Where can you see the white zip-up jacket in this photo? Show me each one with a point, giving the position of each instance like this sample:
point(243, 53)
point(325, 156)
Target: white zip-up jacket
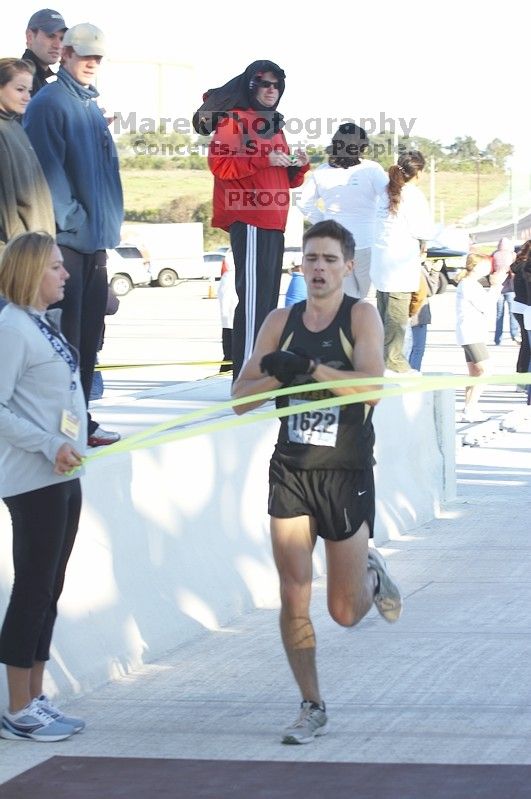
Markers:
point(395, 257)
point(35, 389)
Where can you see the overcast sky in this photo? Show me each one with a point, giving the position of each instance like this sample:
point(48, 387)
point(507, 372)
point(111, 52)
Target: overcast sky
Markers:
point(447, 69)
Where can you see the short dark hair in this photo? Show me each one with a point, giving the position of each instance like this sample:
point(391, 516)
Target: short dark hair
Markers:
point(332, 230)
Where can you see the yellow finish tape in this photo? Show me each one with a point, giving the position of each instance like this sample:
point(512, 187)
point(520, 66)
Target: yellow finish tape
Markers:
point(401, 384)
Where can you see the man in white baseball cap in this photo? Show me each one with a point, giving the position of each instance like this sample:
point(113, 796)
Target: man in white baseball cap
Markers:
point(44, 36)
point(86, 39)
point(74, 145)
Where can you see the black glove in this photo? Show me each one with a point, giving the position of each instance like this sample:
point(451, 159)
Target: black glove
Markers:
point(285, 365)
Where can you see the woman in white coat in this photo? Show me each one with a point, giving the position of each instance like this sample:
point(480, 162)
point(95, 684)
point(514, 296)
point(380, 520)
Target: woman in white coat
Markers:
point(403, 223)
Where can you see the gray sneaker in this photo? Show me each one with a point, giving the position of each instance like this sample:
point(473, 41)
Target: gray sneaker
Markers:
point(312, 721)
point(33, 723)
point(387, 598)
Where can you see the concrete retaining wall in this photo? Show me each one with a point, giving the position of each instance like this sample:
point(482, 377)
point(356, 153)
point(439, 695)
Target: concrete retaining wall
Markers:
point(174, 540)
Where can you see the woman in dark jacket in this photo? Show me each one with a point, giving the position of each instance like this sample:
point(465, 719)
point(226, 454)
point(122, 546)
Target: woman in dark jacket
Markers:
point(25, 201)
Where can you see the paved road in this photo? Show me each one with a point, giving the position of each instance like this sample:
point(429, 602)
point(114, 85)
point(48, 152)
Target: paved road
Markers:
point(449, 684)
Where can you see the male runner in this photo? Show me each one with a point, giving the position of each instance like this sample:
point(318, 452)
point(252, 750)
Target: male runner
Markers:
point(321, 477)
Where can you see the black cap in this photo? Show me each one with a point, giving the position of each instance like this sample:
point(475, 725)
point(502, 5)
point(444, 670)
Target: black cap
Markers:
point(47, 20)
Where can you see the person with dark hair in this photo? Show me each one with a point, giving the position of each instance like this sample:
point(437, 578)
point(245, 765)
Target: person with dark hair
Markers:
point(321, 472)
point(79, 159)
point(403, 225)
point(521, 270)
point(347, 189)
point(25, 201)
point(42, 439)
point(44, 37)
point(253, 173)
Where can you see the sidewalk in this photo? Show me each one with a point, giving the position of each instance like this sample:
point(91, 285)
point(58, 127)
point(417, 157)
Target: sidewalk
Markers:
point(450, 683)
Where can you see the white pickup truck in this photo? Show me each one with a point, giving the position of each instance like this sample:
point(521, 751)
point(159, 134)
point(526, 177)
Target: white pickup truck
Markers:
point(175, 250)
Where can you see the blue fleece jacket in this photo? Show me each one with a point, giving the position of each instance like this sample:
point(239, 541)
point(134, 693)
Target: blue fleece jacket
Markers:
point(79, 159)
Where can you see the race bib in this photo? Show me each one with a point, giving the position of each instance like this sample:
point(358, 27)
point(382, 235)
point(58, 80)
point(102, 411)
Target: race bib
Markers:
point(318, 427)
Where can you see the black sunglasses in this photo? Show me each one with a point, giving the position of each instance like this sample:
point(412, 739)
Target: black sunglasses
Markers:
point(266, 84)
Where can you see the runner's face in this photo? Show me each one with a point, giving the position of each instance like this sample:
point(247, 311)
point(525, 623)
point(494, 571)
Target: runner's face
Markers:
point(324, 267)
point(54, 277)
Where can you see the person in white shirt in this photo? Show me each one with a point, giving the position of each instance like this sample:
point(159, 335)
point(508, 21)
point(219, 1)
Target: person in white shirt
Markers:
point(347, 190)
point(473, 305)
point(403, 223)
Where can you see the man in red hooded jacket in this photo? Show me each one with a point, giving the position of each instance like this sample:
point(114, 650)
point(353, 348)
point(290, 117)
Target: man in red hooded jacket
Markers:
point(253, 173)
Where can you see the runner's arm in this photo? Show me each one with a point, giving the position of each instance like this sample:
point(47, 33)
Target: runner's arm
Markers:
point(251, 379)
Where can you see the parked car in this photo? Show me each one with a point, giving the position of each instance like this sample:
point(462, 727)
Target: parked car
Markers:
point(166, 272)
point(126, 268)
point(447, 252)
point(452, 263)
point(214, 260)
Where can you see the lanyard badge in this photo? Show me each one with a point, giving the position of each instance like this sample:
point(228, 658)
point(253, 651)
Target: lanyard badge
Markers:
point(70, 424)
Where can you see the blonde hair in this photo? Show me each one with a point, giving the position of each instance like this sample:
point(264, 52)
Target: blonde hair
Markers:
point(22, 264)
point(473, 259)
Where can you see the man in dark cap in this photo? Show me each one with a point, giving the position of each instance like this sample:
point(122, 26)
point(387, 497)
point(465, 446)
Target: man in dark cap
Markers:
point(253, 173)
point(44, 37)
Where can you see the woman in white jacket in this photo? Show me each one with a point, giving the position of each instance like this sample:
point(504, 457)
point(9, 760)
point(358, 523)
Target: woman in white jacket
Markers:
point(403, 223)
point(42, 439)
point(473, 308)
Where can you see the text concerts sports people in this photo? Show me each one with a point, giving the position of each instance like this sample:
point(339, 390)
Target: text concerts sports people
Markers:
point(253, 172)
point(42, 438)
point(321, 472)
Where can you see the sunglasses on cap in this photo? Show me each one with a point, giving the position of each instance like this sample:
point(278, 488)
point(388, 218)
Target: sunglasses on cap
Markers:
point(266, 84)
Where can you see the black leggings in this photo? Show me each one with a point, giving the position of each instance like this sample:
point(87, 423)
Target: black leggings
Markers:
point(45, 524)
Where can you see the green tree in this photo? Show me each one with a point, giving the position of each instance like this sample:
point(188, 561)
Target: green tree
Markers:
point(464, 149)
point(499, 151)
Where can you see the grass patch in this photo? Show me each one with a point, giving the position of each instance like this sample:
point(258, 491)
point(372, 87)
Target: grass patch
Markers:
point(152, 189)
point(458, 192)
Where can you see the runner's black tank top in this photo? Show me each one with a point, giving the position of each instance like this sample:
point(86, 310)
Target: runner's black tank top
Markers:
point(338, 437)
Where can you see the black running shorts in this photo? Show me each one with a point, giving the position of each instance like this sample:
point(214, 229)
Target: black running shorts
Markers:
point(338, 499)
